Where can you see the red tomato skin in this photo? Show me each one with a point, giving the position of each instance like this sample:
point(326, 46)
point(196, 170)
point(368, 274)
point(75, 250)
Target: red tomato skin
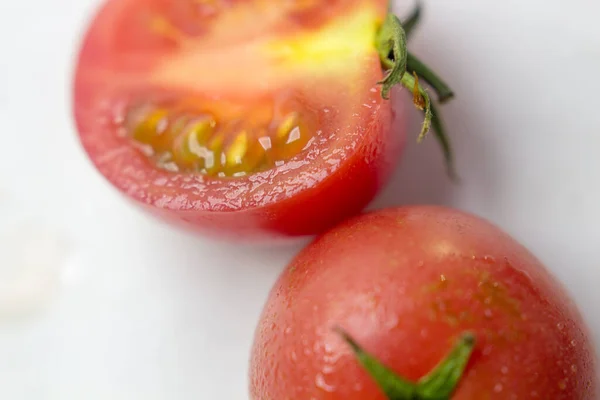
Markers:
point(405, 283)
point(304, 197)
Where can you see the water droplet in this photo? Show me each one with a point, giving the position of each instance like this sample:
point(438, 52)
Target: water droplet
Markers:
point(562, 385)
point(488, 313)
point(487, 350)
point(328, 369)
point(504, 370)
point(560, 326)
point(293, 356)
point(574, 368)
point(322, 384)
point(498, 388)
point(573, 343)
point(392, 322)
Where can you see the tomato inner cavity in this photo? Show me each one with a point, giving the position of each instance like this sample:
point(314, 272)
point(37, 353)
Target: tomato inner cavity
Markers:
point(218, 139)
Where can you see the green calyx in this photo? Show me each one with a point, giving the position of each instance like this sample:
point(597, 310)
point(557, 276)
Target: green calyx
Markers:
point(439, 384)
point(406, 69)
point(391, 45)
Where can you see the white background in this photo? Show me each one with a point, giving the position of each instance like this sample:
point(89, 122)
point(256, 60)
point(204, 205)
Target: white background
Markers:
point(135, 310)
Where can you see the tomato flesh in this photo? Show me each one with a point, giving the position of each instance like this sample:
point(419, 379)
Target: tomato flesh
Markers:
point(405, 283)
point(240, 117)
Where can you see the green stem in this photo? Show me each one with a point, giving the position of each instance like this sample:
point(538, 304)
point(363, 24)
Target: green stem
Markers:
point(413, 64)
point(394, 387)
point(413, 19)
point(391, 45)
point(440, 134)
point(395, 58)
point(439, 384)
point(391, 40)
point(421, 100)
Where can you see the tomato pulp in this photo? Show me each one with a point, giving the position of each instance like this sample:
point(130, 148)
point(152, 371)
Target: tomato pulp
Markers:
point(251, 118)
point(406, 284)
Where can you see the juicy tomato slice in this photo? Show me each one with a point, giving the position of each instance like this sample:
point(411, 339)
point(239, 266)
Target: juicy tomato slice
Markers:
point(242, 117)
point(405, 284)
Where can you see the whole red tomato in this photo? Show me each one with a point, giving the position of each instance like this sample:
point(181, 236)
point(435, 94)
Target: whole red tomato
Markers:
point(244, 117)
point(377, 303)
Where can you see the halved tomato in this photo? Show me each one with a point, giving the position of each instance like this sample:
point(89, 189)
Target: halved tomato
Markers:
point(254, 117)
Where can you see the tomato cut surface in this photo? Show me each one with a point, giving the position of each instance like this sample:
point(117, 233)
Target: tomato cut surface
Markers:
point(406, 284)
point(245, 117)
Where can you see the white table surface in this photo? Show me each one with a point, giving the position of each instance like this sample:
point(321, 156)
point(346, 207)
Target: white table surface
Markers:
point(120, 307)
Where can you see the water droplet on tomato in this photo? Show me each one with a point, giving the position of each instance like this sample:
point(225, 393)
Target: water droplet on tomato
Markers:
point(562, 385)
point(392, 322)
point(487, 350)
point(322, 384)
point(328, 369)
point(489, 259)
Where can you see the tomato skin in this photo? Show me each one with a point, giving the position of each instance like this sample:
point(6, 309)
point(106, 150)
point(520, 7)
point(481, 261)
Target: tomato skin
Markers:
point(405, 283)
point(333, 180)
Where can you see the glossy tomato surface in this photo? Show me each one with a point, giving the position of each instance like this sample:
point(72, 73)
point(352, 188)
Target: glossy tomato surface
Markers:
point(405, 283)
point(245, 118)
